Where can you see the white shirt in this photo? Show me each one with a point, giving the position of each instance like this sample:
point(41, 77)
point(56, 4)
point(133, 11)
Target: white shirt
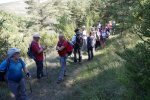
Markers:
point(84, 34)
point(104, 34)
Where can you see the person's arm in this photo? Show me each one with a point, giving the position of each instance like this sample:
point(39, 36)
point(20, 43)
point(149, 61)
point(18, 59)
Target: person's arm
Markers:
point(57, 47)
point(42, 49)
point(73, 40)
point(26, 71)
point(3, 65)
point(60, 48)
point(63, 46)
point(36, 49)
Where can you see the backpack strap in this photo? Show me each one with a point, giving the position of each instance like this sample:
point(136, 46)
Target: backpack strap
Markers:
point(7, 64)
point(21, 61)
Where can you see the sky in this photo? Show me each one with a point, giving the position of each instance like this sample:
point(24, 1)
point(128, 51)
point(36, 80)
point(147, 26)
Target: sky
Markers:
point(6, 1)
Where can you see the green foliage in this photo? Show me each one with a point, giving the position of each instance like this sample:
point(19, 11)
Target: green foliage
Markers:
point(143, 16)
point(138, 70)
point(46, 38)
point(15, 32)
point(12, 32)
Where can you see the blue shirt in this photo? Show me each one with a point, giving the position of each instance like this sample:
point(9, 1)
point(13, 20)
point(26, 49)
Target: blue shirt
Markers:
point(14, 72)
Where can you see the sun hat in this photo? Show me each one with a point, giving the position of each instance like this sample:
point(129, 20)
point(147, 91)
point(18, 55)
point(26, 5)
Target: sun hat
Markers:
point(12, 51)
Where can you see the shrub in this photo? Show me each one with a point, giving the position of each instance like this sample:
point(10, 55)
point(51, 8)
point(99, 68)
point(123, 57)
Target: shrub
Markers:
point(138, 70)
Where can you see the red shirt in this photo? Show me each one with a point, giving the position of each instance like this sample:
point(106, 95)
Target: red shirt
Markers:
point(35, 47)
point(64, 51)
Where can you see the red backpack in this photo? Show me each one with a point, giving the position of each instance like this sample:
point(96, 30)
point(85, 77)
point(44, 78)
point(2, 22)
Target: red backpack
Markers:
point(69, 48)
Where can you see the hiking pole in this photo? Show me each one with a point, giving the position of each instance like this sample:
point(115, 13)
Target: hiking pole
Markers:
point(46, 65)
point(30, 86)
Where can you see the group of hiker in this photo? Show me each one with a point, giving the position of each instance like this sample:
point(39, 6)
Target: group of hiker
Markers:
point(11, 69)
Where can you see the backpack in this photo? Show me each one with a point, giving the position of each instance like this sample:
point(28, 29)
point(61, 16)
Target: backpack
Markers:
point(3, 73)
point(30, 53)
point(90, 42)
point(69, 48)
point(107, 32)
point(79, 40)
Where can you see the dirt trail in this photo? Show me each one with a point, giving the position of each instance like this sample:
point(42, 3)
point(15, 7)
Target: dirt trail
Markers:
point(47, 89)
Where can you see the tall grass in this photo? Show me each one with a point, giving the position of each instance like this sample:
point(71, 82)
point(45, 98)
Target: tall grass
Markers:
point(104, 78)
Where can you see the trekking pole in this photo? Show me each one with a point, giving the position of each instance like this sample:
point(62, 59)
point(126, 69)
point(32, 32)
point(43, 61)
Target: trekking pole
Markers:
point(46, 65)
point(30, 86)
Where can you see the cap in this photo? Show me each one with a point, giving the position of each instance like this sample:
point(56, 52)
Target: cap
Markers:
point(36, 35)
point(12, 51)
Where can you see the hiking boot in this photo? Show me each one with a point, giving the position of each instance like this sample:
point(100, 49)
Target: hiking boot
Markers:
point(65, 75)
point(44, 75)
point(59, 81)
point(75, 61)
point(39, 77)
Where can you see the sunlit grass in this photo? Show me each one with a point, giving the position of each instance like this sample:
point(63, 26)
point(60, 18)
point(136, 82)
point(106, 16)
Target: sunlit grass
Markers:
point(102, 77)
point(98, 79)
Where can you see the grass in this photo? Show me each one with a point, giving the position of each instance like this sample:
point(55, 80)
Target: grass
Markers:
point(103, 78)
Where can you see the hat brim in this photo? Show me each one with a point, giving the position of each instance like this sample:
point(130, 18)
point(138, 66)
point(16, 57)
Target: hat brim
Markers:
point(36, 37)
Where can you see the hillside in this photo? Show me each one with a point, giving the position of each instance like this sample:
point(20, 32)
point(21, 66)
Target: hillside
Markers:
point(17, 7)
point(100, 79)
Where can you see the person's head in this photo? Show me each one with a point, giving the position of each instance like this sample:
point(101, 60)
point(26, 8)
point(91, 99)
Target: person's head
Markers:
point(61, 37)
point(83, 28)
point(36, 37)
point(76, 30)
point(90, 34)
point(13, 53)
point(106, 26)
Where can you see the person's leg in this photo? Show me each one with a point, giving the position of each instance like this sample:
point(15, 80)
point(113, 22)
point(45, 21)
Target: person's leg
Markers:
point(23, 90)
point(85, 44)
point(13, 86)
point(38, 69)
point(80, 55)
point(92, 54)
point(104, 42)
point(41, 68)
point(63, 68)
point(88, 54)
point(75, 55)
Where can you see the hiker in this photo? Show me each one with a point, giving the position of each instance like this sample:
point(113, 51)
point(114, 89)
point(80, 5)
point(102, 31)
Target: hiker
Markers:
point(107, 31)
point(62, 51)
point(13, 66)
point(113, 27)
point(99, 25)
point(84, 36)
point(77, 40)
point(103, 37)
point(109, 25)
point(97, 35)
point(90, 45)
point(38, 51)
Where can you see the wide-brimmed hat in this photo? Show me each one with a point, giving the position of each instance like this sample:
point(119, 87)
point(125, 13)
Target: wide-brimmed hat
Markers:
point(12, 51)
point(36, 35)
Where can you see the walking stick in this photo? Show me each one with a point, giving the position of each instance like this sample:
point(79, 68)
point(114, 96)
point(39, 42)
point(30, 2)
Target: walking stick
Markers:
point(46, 65)
point(30, 86)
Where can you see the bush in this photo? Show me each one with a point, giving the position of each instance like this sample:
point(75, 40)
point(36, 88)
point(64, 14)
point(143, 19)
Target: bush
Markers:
point(138, 68)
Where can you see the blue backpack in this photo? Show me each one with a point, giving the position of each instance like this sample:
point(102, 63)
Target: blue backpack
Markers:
point(3, 72)
point(30, 53)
